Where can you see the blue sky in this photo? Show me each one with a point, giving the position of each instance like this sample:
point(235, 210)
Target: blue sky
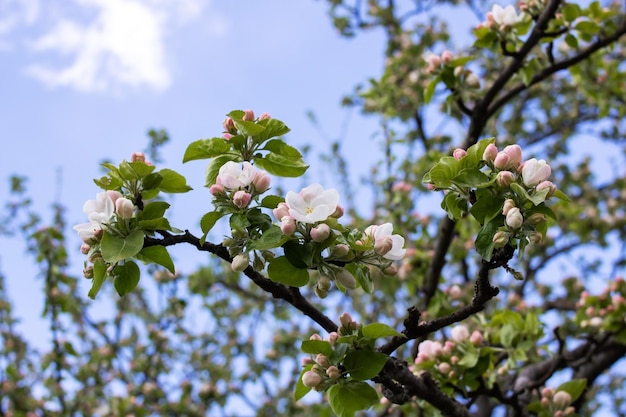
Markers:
point(83, 80)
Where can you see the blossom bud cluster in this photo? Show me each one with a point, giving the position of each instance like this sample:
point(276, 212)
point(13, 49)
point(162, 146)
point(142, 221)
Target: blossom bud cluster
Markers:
point(436, 64)
point(237, 184)
point(446, 356)
point(605, 311)
point(557, 403)
point(230, 129)
point(322, 372)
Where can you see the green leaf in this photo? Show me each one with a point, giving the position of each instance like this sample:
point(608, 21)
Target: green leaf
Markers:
point(575, 387)
point(300, 255)
point(281, 166)
point(281, 270)
point(239, 221)
point(208, 220)
point(315, 347)
point(271, 201)
point(206, 148)
point(151, 181)
point(471, 177)
point(273, 128)
point(279, 147)
point(160, 223)
point(153, 210)
point(248, 128)
point(454, 205)
point(214, 168)
point(99, 276)
point(484, 240)
point(570, 12)
point(364, 364)
point(571, 41)
point(135, 170)
point(470, 357)
point(561, 196)
point(348, 398)
point(173, 182)
point(363, 276)
point(271, 238)
point(158, 255)
point(587, 27)
point(126, 277)
point(115, 249)
point(376, 330)
point(430, 89)
point(486, 209)
point(301, 389)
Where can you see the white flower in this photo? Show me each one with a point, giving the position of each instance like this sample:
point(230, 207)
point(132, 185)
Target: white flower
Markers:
point(99, 212)
point(460, 333)
point(535, 172)
point(313, 204)
point(505, 16)
point(384, 231)
point(236, 176)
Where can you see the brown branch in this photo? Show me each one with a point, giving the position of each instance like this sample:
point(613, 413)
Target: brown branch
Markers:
point(290, 294)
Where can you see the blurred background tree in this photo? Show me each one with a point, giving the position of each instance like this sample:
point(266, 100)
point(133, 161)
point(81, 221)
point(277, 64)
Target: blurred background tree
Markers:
point(214, 343)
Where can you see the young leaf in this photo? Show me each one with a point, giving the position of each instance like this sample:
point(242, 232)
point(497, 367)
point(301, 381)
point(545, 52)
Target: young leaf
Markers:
point(208, 220)
point(281, 270)
point(173, 182)
point(99, 276)
point(158, 255)
point(315, 347)
point(126, 277)
point(115, 249)
point(206, 148)
point(575, 387)
point(364, 364)
point(153, 210)
point(346, 399)
point(281, 166)
point(271, 238)
point(271, 201)
point(376, 330)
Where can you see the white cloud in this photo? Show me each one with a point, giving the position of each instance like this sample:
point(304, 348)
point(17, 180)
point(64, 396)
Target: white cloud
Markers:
point(123, 46)
point(15, 13)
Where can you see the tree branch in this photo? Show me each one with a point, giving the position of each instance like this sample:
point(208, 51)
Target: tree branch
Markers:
point(290, 294)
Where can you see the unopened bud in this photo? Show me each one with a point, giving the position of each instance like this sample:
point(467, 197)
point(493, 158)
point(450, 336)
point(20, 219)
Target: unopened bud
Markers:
point(229, 126)
point(491, 151)
point(346, 279)
point(447, 57)
point(84, 248)
point(333, 372)
point(261, 182)
point(88, 272)
point(323, 282)
point(390, 270)
point(248, 115)
point(124, 208)
point(508, 205)
point(240, 262)
point(281, 210)
point(320, 232)
point(472, 81)
point(338, 213)
point(288, 225)
point(536, 219)
point(138, 157)
point(514, 218)
point(459, 153)
point(345, 319)
point(241, 198)
point(562, 399)
point(383, 245)
point(504, 179)
point(476, 338)
point(311, 379)
point(264, 116)
point(501, 238)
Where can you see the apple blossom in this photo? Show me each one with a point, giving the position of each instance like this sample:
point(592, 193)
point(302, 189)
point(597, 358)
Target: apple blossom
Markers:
point(446, 57)
point(313, 204)
point(138, 157)
point(216, 189)
point(460, 333)
point(261, 182)
point(281, 210)
point(546, 184)
point(505, 16)
point(379, 233)
point(429, 349)
point(288, 225)
point(472, 80)
point(562, 399)
point(236, 176)
point(459, 153)
point(311, 379)
point(229, 125)
point(508, 205)
point(320, 232)
point(535, 172)
point(345, 319)
point(99, 212)
point(536, 218)
point(264, 116)
point(333, 372)
point(124, 208)
point(491, 151)
point(514, 218)
point(240, 262)
point(504, 179)
point(241, 198)
point(248, 115)
point(476, 338)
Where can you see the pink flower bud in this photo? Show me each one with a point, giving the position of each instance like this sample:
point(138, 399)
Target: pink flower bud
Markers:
point(288, 225)
point(434, 61)
point(536, 219)
point(476, 338)
point(282, 210)
point(508, 205)
point(216, 189)
point(545, 402)
point(345, 319)
point(114, 195)
point(504, 179)
point(338, 213)
point(535, 172)
point(514, 218)
point(240, 262)
point(459, 153)
point(502, 161)
point(227, 136)
point(315, 336)
point(491, 151)
point(311, 379)
point(333, 372)
point(84, 248)
point(124, 208)
point(229, 126)
point(546, 184)
point(460, 333)
point(346, 279)
point(264, 116)
point(261, 182)
point(547, 392)
point(241, 198)
point(332, 337)
point(535, 238)
point(322, 360)
point(444, 368)
point(501, 238)
point(447, 57)
point(561, 399)
point(138, 157)
point(320, 232)
point(472, 80)
point(248, 115)
point(515, 155)
point(340, 250)
point(88, 272)
point(383, 245)
point(391, 270)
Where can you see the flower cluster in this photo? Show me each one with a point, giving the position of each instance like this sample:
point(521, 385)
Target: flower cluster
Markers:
point(110, 210)
point(237, 184)
point(445, 65)
point(557, 403)
point(605, 311)
point(502, 18)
